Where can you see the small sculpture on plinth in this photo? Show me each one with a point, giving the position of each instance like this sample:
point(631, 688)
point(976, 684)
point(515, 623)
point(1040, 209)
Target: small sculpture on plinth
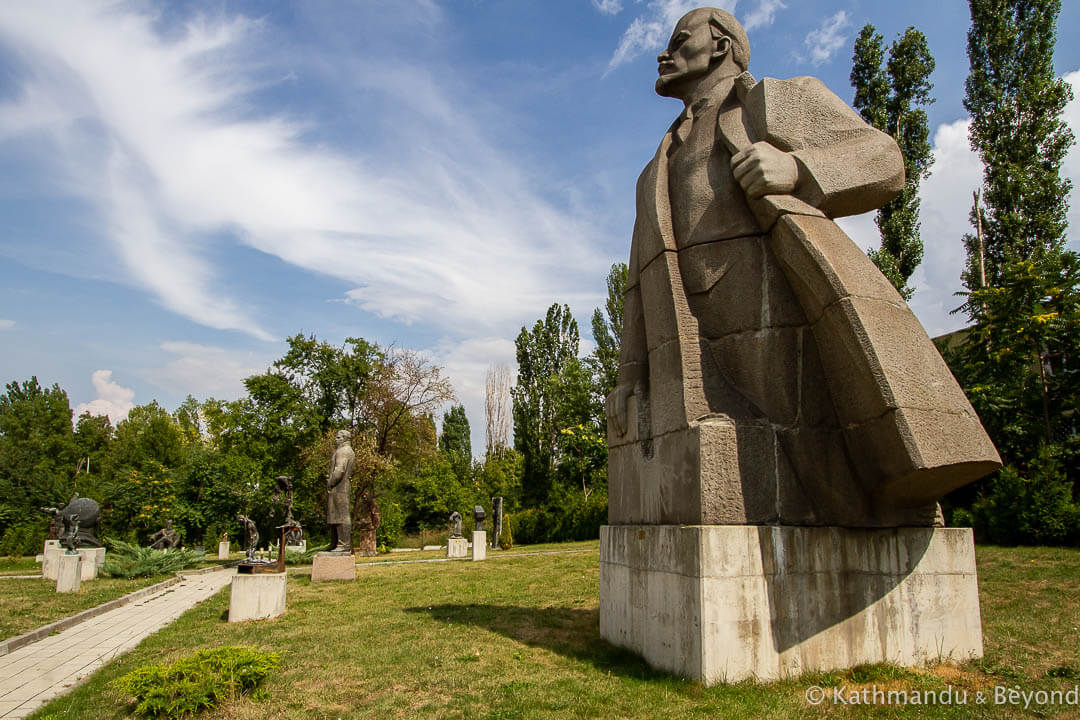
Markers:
point(70, 537)
point(166, 538)
point(455, 524)
point(478, 517)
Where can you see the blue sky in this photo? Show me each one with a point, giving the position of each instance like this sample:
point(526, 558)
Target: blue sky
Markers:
point(187, 184)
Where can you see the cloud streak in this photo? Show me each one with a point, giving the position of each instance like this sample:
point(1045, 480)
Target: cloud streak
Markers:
point(823, 41)
point(162, 134)
point(112, 398)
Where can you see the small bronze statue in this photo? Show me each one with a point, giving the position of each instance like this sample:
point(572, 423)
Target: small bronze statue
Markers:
point(165, 538)
point(283, 493)
point(56, 521)
point(70, 537)
point(251, 533)
point(455, 524)
point(88, 512)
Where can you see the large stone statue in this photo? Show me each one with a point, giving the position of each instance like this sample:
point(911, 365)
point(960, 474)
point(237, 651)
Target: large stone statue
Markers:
point(769, 375)
point(338, 496)
point(61, 524)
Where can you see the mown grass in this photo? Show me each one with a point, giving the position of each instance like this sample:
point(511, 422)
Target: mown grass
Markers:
point(27, 604)
point(518, 638)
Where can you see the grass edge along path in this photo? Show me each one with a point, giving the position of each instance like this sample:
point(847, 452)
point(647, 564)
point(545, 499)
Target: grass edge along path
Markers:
point(497, 641)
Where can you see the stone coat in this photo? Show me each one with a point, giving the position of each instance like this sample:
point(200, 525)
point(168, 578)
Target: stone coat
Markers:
point(771, 363)
point(338, 495)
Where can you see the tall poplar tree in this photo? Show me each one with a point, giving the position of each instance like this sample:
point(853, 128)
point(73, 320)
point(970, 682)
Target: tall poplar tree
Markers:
point(890, 96)
point(542, 355)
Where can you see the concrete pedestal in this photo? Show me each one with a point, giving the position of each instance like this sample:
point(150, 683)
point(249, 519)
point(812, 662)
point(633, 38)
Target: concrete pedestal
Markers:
point(51, 559)
point(223, 550)
point(301, 548)
point(457, 548)
point(333, 566)
point(479, 545)
point(69, 572)
point(92, 560)
point(722, 603)
point(256, 597)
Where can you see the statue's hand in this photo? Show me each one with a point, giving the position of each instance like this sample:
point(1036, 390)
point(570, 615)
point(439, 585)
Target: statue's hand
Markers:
point(616, 408)
point(761, 169)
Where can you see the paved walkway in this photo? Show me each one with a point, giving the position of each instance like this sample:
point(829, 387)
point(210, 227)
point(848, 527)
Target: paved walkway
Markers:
point(41, 671)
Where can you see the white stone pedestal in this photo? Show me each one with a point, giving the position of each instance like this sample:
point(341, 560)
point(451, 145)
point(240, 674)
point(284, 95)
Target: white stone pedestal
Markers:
point(256, 597)
point(223, 550)
point(479, 545)
point(333, 566)
point(69, 572)
point(51, 559)
point(92, 560)
point(457, 548)
point(301, 548)
point(722, 603)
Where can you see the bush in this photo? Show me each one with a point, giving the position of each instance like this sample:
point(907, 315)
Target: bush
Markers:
point(569, 518)
point(129, 561)
point(196, 683)
point(506, 537)
point(1034, 510)
point(22, 539)
point(392, 528)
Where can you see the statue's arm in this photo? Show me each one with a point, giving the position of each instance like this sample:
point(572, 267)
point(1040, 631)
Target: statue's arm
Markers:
point(845, 166)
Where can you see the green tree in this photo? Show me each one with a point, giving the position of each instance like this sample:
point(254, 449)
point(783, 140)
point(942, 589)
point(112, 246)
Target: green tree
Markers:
point(607, 330)
point(38, 454)
point(890, 97)
point(455, 441)
point(1016, 103)
point(542, 353)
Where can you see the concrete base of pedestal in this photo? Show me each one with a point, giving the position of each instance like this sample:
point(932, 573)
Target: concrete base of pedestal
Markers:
point(479, 545)
point(457, 548)
point(333, 566)
point(69, 572)
point(722, 603)
point(92, 560)
point(50, 559)
point(223, 550)
point(256, 597)
point(301, 548)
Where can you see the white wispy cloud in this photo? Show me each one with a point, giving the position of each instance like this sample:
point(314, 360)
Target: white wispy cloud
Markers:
point(608, 7)
point(823, 41)
point(763, 14)
point(112, 398)
point(649, 31)
point(163, 136)
point(946, 199)
point(6, 324)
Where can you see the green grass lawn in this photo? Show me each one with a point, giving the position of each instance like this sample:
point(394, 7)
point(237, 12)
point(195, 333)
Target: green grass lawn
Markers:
point(518, 637)
point(26, 605)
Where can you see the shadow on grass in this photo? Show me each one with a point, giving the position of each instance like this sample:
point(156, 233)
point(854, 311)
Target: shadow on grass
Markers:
point(569, 632)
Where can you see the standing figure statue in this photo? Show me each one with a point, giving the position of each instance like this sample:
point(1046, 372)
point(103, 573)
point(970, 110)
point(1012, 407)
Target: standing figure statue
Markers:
point(70, 537)
point(769, 373)
point(251, 534)
point(283, 493)
point(455, 524)
point(56, 521)
point(338, 495)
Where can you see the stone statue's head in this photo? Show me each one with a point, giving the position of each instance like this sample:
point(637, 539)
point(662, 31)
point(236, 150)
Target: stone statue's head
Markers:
point(342, 437)
point(703, 40)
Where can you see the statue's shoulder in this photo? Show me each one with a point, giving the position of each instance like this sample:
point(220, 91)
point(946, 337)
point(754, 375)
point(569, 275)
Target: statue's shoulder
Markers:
point(796, 112)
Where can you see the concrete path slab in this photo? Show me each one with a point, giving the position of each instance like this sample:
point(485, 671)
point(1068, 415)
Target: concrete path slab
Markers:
point(35, 674)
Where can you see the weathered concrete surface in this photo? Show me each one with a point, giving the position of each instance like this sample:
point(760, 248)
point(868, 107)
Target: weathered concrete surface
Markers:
point(68, 573)
point(257, 597)
point(725, 603)
point(50, 559)
point(457, 547)
point(92, 560)
point(333, 566)
point(223, 550)
point(479, 545)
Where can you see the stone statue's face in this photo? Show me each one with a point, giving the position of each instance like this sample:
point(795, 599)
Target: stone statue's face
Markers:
point(342, 438)
point(688, 57)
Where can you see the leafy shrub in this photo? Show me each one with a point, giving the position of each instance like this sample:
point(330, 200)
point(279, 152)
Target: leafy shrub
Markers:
point(506, 537)
point(22, 539)
point(129, 561)
point(530, 526)
point(293, 557)
point(392, 528)
point(197, 682)
point(1036, 508)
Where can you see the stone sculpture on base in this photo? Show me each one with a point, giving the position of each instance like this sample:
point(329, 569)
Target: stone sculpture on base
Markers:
point(165, 538)
point(338, 496)
point(775, 393)
point(456, 545)
point(251, 537)
point(61, 521)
